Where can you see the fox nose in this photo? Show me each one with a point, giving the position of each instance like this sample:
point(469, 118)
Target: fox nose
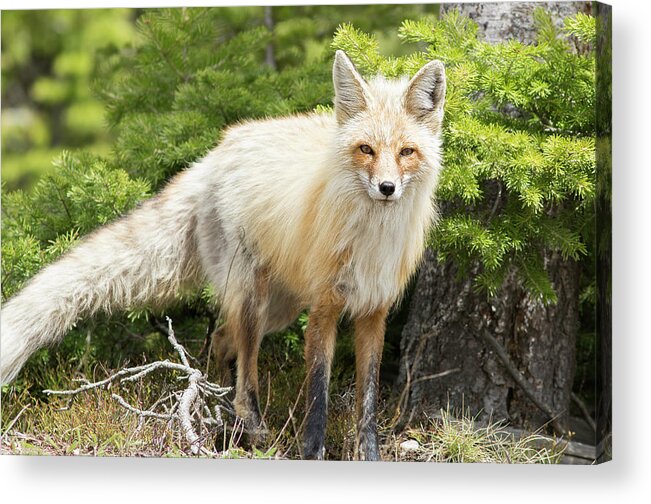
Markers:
point(387, 188)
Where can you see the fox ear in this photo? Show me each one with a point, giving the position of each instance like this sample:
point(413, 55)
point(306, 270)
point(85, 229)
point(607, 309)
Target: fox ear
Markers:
point(425, 95)
point(351, 89)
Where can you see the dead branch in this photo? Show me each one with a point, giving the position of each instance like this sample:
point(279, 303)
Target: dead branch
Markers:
point(189, 406)
point(522, 382)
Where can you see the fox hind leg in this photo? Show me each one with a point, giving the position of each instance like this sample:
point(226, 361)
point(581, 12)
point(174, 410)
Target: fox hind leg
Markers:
point(246, 324)
point(260, 307)
point(225, 354)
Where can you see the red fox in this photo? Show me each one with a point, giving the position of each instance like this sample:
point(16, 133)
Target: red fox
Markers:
point(321, 211)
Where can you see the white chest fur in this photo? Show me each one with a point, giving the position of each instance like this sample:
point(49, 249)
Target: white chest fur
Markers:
point(381, 245)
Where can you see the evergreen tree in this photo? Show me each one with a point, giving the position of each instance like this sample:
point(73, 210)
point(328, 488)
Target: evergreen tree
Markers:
point(167, 97)
point(519, 116)
point(497, 302)
point(519, 133)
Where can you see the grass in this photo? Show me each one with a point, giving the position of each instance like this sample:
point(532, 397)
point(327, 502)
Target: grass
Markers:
point(448, 438)
point(96, 425)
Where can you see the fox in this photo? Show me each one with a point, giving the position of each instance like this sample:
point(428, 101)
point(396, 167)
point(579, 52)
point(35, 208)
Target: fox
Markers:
point(324, 211)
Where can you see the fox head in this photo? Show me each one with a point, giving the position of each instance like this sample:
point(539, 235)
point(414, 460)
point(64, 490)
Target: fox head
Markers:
point(388, 130)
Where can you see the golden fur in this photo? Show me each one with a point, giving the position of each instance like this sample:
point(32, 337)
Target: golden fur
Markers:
point(284, 214)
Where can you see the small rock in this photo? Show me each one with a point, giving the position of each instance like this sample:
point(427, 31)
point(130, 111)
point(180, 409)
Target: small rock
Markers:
point(409, 445)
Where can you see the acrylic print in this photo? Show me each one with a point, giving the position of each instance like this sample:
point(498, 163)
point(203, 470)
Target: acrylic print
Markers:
point(375, 233)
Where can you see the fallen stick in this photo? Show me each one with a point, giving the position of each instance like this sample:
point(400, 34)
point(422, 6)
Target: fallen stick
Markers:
point(190, 408)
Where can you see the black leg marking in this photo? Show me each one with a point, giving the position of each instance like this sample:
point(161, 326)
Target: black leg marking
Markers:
point(254, 420)
point(230, 372)
point(317, 404)
point(367, 421)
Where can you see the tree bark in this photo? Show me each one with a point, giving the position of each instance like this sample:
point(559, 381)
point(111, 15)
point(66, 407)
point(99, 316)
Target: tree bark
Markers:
point(450, 326)
point(500, 21)
point(508, 357)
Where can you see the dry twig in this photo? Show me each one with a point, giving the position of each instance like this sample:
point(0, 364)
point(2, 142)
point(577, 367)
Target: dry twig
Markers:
point(189, 407)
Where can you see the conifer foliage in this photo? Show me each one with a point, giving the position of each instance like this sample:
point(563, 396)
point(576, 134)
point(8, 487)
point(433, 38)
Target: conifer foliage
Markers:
point(519, 124)
point(519, 132)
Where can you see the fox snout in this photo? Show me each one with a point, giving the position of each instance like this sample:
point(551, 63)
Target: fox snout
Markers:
point(383, 187)
point(387, 188)
point(380, 174)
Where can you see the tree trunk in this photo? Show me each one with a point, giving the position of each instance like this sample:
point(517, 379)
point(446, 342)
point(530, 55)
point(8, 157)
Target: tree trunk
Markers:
point(500, 21)
point(508, 357)
point(451, 328)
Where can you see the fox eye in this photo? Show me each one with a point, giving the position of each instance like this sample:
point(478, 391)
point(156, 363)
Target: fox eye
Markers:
point(407, 151)
point(366, 149)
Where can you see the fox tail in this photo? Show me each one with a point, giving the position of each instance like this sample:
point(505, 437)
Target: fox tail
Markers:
point(143, 258)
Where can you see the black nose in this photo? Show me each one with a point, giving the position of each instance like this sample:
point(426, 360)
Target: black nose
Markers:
point(387, 188)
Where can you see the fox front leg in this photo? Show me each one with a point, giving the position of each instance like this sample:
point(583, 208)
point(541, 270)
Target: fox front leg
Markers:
point(369, 340)
point(320, 339)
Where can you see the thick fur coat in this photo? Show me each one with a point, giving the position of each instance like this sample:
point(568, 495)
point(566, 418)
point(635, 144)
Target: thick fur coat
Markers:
point(327, 212)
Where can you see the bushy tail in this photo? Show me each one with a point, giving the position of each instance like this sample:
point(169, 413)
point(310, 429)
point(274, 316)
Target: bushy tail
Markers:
point(144, 258)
